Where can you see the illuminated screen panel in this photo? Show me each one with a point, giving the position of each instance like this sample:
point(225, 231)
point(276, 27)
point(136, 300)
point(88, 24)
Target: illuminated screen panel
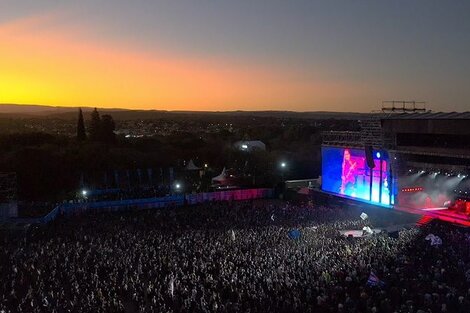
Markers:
point(345, 172)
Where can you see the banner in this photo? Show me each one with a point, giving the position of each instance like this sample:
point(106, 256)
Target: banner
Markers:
point(374, 281)
point(155, 203)
point(294, 234)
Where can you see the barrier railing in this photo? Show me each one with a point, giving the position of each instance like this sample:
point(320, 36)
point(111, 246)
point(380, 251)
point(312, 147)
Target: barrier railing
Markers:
point(151, 203)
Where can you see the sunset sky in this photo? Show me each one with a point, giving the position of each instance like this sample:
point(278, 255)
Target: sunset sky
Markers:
point(301, 55)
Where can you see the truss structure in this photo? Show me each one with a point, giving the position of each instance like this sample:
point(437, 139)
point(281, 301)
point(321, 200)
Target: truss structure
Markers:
point(371, 134)
point(342, 138)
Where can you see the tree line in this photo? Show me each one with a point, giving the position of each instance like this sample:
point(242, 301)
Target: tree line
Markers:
point(100, 128)
point(49, 166)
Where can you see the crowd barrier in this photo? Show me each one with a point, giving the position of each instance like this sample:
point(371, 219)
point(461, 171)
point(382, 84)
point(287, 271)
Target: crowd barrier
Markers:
point(243, 194)
point(152, 203)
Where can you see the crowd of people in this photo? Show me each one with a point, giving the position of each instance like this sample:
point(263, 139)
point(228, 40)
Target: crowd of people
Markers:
point(233, 257)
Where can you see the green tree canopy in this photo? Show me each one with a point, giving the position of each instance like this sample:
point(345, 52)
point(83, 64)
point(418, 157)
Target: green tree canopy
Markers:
point(95, 126)
point(81, 134)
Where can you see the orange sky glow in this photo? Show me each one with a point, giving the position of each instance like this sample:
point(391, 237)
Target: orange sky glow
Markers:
point(68, 66)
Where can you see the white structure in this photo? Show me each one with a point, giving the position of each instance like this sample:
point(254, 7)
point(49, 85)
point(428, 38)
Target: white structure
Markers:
point(221, 178)
point(250, 145)
point(191, 166)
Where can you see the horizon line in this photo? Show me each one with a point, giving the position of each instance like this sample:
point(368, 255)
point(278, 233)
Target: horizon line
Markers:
point(176, 111)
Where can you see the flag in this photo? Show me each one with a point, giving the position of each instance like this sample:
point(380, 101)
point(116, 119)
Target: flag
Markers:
point(374, 280)
point(172, 286)
point(429, 237)
point(436, 241)
point(367, 230)
point(294, 234)
point(364, 216)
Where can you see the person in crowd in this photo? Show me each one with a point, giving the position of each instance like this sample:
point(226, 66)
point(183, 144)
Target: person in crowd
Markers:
point(232, 257)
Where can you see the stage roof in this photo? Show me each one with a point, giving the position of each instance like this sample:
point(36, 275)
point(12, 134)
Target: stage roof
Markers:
point(428, 116)
point(452, 123)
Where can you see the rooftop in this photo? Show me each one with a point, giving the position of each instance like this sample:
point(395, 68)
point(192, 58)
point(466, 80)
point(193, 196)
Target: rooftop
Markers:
point(428, 115)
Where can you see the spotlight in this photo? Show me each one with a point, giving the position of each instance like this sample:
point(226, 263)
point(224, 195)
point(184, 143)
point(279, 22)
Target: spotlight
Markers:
point(378, 155)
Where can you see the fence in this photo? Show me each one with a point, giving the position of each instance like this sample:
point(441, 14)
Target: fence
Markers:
point(152, 203)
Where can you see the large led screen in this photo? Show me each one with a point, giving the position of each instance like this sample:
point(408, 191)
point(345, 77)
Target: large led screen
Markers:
point(345, 172)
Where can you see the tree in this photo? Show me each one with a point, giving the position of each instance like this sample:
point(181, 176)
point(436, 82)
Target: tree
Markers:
point(81, 134)
point(95, 126)
point(107, 129)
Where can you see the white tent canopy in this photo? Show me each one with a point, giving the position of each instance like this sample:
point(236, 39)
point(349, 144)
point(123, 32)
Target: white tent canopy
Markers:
point(221, 177)
point(191, 166)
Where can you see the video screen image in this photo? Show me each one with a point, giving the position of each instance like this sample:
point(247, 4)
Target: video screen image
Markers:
point(345, 172)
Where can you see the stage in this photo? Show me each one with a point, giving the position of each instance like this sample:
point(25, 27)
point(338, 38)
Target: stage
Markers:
point(427, 214)
point(440, 213)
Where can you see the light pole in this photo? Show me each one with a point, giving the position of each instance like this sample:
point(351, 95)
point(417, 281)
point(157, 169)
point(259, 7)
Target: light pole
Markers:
point(84, 194)
point(283, 166)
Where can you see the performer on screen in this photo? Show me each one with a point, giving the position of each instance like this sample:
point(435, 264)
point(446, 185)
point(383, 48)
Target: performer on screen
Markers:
point(348, 175)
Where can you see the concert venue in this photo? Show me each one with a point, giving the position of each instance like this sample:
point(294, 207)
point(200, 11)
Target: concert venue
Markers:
point(410, 161)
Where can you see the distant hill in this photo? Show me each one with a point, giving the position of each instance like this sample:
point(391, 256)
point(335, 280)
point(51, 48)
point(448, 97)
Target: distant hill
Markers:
point(28, 111)
point(36, 109)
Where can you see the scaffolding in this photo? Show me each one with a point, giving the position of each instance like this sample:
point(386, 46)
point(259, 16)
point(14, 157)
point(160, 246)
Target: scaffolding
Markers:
point(401, 106)
point(342, 138)
point(371, 134)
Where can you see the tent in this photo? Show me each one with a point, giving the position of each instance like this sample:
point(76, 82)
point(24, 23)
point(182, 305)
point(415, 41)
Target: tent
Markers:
point(191, 166)
point(221, 178)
